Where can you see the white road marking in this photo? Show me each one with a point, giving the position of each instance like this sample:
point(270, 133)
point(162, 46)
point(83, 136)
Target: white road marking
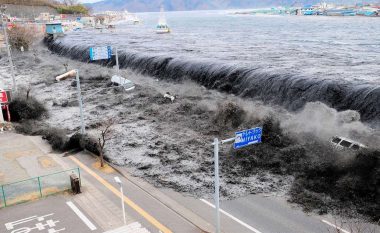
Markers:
point(49, 225)
point(232, 217)
point(11, 225)
point(131, 228)
point(334, 226)
point(81, 216)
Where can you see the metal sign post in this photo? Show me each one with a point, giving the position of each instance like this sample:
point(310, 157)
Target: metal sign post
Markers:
point(117, 61)
point(82, 128)
point(242, 139)
point(1, 115)
point(216, 174)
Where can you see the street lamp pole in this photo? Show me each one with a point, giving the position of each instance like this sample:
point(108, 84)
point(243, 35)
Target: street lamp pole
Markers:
point(117, 179)
point(82, 127)
point(3, 9)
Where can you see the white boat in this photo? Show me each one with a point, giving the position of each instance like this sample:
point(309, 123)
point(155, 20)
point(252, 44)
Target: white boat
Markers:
point(136, 20)
point(99, 25)
point(162, 26)
point(129, 18)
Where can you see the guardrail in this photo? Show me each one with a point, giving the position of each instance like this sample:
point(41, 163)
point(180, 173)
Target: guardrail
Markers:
point(35, 188)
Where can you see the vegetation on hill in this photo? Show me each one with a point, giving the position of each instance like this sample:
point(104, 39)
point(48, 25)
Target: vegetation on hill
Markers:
point(69, 7)
point(30, 2)
point(74, 9)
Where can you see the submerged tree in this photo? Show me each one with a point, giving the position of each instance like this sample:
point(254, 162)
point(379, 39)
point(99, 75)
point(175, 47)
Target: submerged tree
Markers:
point(104, 136)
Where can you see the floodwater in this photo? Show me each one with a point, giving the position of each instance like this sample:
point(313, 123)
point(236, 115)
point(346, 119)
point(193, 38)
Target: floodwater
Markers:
point(287, 60)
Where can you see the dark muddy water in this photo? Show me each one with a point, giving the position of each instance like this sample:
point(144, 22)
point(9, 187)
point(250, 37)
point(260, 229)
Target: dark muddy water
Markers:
point(286, 60)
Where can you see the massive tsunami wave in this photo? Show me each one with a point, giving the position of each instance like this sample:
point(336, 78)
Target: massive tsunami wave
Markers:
point(287, 89)
point(287, 61)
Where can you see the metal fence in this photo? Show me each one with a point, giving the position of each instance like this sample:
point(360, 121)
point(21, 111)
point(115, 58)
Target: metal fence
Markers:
point(35, 188)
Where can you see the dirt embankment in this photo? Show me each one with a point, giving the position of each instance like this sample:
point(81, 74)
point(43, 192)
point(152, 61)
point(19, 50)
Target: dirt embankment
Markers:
point(169, 143)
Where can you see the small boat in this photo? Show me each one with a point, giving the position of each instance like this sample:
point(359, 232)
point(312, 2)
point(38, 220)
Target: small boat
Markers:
point(130, 18)
point(99, 25)
point(162, 26)
point(340, 12)
point(111, 26)
point(135, 19)
point(369, 12)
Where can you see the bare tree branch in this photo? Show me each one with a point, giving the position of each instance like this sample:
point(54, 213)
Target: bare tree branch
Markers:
point(105, 135)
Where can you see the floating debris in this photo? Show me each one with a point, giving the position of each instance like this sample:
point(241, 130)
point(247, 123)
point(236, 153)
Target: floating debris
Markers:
point(167, 95)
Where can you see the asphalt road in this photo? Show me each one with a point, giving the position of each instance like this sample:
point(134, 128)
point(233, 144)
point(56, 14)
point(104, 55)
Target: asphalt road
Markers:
point(52, 215)
point(260, 214)
point(273, 215)
point(150, 212)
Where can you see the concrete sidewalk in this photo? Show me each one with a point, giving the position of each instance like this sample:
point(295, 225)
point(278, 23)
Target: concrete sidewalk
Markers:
point(22, 157)
point(142, 206)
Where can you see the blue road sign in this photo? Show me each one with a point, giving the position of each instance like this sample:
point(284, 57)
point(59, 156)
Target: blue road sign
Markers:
point(247, 137)
point(100, 53)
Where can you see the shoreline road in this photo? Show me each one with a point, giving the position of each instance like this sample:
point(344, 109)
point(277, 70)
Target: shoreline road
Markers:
point(268, 214)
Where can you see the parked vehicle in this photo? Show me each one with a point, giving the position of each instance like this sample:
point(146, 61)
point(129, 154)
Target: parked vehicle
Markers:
point(342, 143)
point(127, 84)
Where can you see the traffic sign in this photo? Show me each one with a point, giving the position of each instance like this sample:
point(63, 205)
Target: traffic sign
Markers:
point(100, 53)
point(3, 97)
point(248, 137)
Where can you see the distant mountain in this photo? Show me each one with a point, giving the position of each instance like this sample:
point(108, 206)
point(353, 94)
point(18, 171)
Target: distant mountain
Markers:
point(180, 5)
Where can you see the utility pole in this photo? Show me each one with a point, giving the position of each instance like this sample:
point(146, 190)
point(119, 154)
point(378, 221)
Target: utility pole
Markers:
point(82, 128)
point(117, 62)
point(3, 9)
